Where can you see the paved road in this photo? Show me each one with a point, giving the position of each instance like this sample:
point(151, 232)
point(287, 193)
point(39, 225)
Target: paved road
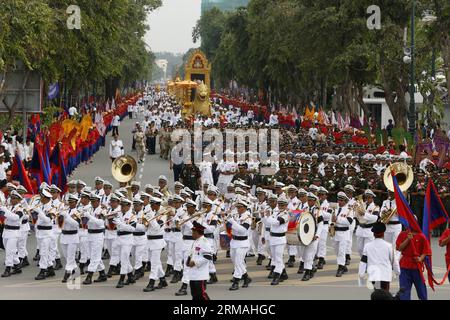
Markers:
point(324, 286)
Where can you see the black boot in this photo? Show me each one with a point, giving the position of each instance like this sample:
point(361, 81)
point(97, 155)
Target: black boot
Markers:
point(214, 257)
point(36, 256)
point(58, 265)
point(228, 254)
point(148, 266)
point(348, 259)
point(269, 267)
point(247, 280)
point(260, 259)
point(116, 270)
point(17, 269)
point(7, 272)
point(307, 275)
point(301, 268)
point(110, 271)
point(130, 279)
point(270, 276)
point(88, 279)
point(66, 277)
point(25, 262)
point(82, 265)
point(176, 277)
point(50, 272)
point(150, 287)
point(106, 255)
point(212, 278)
point(344, 269)
point(291, 261)
point(182, 291)
point(101, 277)
point(169, 270)
point(121, 282)
point(41, 275)
point(235, 285)
point(340, 271)
point(162, 283)
point(321, 263)
point(283, 276)
point(276, 279)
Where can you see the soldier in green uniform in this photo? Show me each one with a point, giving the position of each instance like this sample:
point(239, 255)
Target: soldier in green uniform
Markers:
point(190, 176)
point(243, 174)
point(331, 184)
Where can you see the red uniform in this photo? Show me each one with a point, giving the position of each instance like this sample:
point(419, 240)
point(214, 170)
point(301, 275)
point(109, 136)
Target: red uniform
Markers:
point(421, 246)
point(447, 252)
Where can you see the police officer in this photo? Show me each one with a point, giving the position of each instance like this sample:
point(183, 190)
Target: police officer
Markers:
point(342, 219)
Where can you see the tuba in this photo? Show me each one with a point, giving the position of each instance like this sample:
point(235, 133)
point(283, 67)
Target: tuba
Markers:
point(124, 168)
point(405, 178)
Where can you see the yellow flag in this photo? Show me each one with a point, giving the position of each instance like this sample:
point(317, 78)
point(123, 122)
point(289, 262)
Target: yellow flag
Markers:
point(85, 125)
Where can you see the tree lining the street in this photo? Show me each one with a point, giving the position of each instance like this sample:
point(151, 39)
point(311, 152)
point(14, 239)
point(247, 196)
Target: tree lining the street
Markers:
point(106, 54)
point(322, 52)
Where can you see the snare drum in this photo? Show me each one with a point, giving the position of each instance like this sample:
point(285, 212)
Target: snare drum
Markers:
point(225, 241)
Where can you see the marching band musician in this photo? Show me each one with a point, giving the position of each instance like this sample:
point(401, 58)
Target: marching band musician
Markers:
point(98, 189)
point(176, 242)
point(107, 188)
point(210, 222)
point(239, 243)
point(22, 251)
point(111, 241)
point(71, 189)
point(197, 261)
point(186, 230)
point(342, 219)
point(350, 191)
point(163, 188)
point(303, 205)
point(69, 235)
point(265, 239)
point(363, 233)
point(35, 202)
point(213, 194)
point(202, 194)
point(83, 207)
point(139, 250)
point(278, 223)
point(95, 238)
point(326, 214)
point(155, 244)
point(260, 207)
point(394, 226)
point(11, 233)
point(311, 249)
point(126, 223)
point(58, 205)
point(44, 235)
point(146, 208)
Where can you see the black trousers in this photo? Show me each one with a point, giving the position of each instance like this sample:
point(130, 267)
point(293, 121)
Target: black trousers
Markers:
point(115, 130)
point(198, 290)
point(151, 145)
point(130, 114)
point(177, 168)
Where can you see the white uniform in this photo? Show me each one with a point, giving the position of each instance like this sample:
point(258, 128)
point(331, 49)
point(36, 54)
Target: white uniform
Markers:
point(125, 227)
point(155, 244)
point(58, 206)
point(239, 243)
point(69, 238)
point(11, 234)
point(378, 261)
point(394, 227)
point(186, 230)
point(364, 232)
point(139, 251)
point(83, 233)
point(116, 149)
point(326, 215)
point(111, 241)
point(23, 233)
point(296, 204)
point(209, 221)
point(44, 236)
point(263, 248)
point(352, 226)
point(311, 249)
point(278, 223)
point(176, 241)
point(96, 235)
point(343, 235)
point(200, 248)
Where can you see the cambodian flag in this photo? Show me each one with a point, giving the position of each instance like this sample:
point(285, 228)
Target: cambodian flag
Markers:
point(18, 173)
point(405, 214)
point(37, 166)
point(59, 172)
point(434, 213)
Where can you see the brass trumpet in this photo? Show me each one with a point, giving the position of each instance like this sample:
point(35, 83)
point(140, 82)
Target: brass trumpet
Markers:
point(195, 215)
point(163, 213)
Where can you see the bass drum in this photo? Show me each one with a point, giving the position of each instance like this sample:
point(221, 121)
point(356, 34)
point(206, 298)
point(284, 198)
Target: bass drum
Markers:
point(306, 228)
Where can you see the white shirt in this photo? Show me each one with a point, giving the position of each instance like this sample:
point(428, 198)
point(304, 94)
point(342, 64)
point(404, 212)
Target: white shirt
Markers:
point(273, 119)
point(200, 254)
point(116, 121)
point(3, 167)
point(72, 111)
point(116, 149)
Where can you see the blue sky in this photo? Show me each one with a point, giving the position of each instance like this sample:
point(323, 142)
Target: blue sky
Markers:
point(171, 26)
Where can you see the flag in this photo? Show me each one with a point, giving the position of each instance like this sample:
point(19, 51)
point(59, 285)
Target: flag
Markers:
point(434, 213)
point(405, 214)
point(18, 173)
point(37, 166)
point(46, 160)
point(59, 172)
point(53, 91)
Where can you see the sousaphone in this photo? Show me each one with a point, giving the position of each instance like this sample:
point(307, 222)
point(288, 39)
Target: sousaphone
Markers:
point(124, 168)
